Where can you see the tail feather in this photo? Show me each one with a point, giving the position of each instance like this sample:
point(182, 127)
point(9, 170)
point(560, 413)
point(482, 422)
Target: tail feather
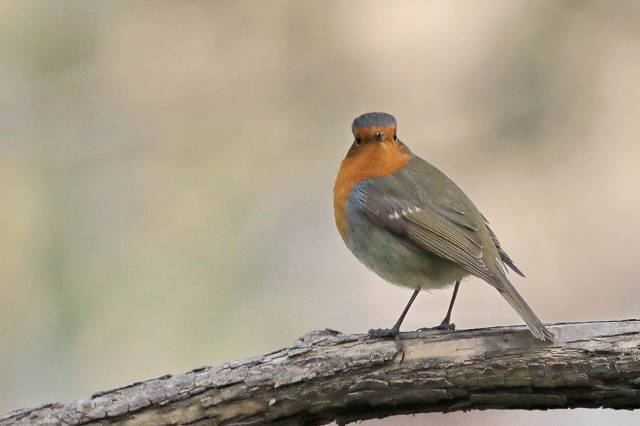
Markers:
point(516, 301)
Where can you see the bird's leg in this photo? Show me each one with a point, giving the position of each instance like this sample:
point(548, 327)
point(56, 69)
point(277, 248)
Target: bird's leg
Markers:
point(446, 323)
point(395, 330)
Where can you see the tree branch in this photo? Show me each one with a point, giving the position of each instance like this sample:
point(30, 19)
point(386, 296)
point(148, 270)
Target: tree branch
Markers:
point(327, 375)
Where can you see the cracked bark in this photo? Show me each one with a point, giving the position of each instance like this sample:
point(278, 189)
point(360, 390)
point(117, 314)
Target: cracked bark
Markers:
point(327, 375)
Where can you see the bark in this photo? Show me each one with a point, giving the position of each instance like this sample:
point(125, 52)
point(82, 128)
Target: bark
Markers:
point(329, 376)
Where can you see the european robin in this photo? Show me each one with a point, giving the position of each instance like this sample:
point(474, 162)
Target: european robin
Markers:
point(410, 224)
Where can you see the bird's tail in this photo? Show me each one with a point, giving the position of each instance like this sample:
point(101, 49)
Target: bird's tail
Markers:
point(508, 291)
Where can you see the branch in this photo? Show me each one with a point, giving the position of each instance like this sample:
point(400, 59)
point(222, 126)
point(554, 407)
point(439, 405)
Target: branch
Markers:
point(327, 375)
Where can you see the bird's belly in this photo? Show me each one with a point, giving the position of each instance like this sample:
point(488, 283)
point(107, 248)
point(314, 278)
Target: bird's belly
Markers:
point(399, 263)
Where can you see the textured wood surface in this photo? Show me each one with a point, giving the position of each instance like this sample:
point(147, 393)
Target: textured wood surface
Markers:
point(327, 375)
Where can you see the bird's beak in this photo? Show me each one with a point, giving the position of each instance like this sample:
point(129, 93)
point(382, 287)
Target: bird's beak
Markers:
point(379, 135)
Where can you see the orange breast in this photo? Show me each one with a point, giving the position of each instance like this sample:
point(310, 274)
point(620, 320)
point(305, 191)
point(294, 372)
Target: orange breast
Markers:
point(370, 160)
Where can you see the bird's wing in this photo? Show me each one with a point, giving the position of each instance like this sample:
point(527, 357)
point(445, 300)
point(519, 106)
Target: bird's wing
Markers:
point(435, 228)
point(504, 257)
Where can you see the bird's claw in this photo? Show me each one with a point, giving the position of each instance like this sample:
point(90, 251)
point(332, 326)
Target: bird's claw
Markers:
point(444, 326)
point(377, 333)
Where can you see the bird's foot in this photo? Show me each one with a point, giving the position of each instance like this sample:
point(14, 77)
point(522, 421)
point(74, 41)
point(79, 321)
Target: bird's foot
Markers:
point(444, 326)
point(377, 333)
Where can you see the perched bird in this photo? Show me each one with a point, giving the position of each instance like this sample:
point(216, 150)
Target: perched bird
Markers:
point(410, 224)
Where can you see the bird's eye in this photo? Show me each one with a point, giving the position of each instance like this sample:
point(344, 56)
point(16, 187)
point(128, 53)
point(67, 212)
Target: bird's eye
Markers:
point(395, 137)
point(358, 140)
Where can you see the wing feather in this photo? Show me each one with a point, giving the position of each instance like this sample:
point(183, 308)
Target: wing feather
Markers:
point(504, 257)
point(427, 229)
point(437, 236)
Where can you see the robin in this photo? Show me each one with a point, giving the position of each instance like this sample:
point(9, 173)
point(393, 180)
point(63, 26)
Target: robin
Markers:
point(410, 224)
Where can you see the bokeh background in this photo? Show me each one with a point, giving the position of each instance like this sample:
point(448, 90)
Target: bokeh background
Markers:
point(166, 174)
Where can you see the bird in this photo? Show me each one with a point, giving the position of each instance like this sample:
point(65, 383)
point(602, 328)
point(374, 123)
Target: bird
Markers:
point(409, 223)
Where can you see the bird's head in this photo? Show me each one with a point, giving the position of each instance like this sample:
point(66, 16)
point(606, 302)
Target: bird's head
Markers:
point(375, 130)
point(374, 127)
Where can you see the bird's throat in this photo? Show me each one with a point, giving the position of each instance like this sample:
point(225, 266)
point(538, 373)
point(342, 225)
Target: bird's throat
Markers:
point(371, 160)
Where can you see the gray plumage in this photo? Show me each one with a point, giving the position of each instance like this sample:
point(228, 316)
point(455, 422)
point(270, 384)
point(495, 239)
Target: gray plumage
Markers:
point(371, 119)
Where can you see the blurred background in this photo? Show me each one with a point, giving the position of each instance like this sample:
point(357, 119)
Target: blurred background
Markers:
point(167, 174)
